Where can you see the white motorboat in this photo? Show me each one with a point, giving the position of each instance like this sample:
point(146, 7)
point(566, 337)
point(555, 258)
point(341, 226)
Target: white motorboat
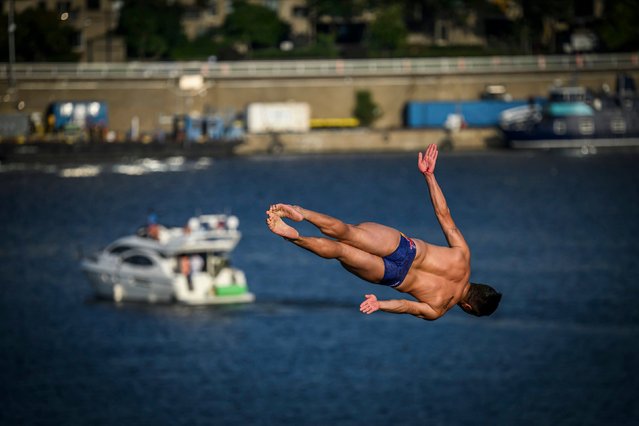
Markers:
point(187, 265)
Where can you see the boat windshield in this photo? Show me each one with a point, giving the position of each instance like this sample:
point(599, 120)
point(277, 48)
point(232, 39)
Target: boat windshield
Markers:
point(119, 249)
point(563, 109)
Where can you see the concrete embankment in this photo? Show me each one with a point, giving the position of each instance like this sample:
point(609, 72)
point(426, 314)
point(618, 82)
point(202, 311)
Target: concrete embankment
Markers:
point(148, 104)
point(367, 141)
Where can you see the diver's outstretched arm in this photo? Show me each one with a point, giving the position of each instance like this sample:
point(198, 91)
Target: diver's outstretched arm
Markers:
point(399, 306)
point(426, 164)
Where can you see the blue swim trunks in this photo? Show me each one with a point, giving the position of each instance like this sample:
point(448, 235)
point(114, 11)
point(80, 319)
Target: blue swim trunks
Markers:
point(397, 264)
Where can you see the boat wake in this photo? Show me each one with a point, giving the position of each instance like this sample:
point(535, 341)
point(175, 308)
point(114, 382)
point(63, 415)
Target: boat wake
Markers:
point(138, 167)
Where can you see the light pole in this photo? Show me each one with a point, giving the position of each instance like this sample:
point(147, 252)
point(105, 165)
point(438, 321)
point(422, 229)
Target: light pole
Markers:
point(12, 45)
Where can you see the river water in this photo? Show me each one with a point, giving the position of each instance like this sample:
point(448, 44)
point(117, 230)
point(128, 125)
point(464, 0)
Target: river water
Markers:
point(557, 234)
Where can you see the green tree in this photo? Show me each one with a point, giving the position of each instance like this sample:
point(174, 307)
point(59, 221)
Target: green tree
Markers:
point(339, 11)
point(366, 111)
point(426, 11)
point(619, 29)
point(344, 9)
point(256, 25)
point(40, 36)
point(531, 23)
point(151, 28)
point(388, 32)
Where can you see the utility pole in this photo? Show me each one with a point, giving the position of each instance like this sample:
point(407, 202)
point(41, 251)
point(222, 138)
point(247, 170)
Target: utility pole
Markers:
point(109, 47)
point(12, 45)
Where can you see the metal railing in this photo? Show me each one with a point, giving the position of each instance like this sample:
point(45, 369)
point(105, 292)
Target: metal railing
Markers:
point(322, 68)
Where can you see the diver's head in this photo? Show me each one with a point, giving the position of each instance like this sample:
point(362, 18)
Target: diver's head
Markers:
point(481, 300)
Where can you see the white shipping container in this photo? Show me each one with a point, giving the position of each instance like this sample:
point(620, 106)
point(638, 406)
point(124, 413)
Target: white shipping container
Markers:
point(278, 117)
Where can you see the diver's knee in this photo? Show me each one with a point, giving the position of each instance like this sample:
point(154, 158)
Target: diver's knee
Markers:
point(337, 229)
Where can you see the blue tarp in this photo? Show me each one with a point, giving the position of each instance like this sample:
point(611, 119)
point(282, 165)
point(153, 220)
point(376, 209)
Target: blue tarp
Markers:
point(475, 113)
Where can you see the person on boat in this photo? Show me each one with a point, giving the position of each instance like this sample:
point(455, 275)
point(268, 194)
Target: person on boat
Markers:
point(437, 277)
point(185, 268)
point(197, 264)
point(153, 229)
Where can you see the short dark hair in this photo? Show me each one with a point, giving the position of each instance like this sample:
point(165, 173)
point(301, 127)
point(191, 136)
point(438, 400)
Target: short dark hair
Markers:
point(483, 299)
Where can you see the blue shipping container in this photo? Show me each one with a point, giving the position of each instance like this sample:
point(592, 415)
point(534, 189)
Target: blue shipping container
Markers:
point(475, 113)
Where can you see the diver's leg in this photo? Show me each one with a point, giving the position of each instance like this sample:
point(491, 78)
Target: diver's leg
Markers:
point(370, 237)
point(361, 263)
point(365, 265)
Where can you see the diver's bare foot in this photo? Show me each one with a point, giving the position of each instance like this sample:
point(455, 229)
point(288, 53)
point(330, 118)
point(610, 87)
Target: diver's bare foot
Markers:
point(277, 226)
point(285, 210)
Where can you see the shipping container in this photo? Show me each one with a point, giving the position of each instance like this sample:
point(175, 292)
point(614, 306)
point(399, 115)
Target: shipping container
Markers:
point(474, 113)
point(278, 117)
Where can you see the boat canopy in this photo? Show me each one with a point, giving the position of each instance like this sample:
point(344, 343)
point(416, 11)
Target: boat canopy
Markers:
point(569, 94)
point(563, 109)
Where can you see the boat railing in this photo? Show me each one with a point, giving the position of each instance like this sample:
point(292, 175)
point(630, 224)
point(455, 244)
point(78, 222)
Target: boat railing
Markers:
point(215, 234)
point(169, 235)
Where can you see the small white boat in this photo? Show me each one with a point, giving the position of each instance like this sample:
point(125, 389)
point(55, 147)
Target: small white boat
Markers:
point(187, 265)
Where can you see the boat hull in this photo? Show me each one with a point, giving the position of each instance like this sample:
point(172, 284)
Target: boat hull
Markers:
point(123, 289)
point(107, 285)
point(573, 117)
point(116, 280)
point(540, 142)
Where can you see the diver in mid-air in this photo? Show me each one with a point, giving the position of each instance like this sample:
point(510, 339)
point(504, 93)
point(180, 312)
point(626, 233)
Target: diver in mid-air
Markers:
point(437, 277)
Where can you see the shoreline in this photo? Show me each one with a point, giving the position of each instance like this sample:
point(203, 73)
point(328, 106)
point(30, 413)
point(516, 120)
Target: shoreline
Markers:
point(314, 142)
point(370, 141)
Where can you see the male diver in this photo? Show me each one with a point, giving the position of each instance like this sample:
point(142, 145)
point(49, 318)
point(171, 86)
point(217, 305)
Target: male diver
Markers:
point(437, 277)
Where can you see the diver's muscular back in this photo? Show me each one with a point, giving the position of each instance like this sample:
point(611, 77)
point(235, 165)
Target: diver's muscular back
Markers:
point(439, 275)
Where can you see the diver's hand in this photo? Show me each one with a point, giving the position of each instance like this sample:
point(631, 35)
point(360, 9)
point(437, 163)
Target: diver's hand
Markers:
point(369, 305)
point(426, 161)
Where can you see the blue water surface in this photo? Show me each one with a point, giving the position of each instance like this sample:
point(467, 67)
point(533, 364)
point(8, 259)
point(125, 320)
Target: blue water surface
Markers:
point(557, 234)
